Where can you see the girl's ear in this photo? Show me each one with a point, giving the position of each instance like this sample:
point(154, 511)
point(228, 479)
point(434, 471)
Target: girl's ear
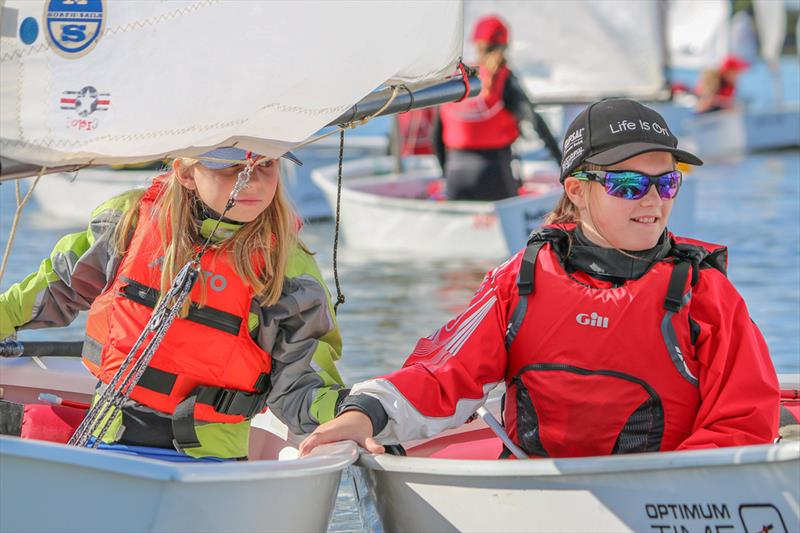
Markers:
point(574, 189)
point(184, 175)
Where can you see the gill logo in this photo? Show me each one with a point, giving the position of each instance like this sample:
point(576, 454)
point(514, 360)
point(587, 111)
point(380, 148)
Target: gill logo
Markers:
point(74, 27)
point(216, 282)
point(592, 320)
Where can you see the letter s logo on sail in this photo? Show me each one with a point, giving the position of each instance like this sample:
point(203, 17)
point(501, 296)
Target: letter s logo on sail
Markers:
point(74, 27)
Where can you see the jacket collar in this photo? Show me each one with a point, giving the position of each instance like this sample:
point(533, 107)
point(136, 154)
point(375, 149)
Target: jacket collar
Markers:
point(612, 264)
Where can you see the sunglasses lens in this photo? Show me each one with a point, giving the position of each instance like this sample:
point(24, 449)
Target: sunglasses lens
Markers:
point(627, 185)
point(668, 185)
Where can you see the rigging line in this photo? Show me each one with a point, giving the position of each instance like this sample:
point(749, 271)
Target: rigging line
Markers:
point(339, 296)
point(17, 216)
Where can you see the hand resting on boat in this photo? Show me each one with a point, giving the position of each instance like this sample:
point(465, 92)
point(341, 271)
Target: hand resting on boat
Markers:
point(350, 425)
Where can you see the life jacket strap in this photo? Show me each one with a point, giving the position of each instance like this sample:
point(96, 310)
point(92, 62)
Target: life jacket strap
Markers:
point(528, 267)
point(224, 401)
point(674, 298)
point(207, 316)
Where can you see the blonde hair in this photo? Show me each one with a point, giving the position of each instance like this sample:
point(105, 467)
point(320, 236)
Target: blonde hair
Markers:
point(565, 211)
point(259, 250)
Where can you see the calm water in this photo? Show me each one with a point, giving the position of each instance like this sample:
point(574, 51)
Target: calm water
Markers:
point(750, 204)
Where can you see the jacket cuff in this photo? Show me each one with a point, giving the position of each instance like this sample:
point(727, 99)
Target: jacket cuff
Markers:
point(369, 406)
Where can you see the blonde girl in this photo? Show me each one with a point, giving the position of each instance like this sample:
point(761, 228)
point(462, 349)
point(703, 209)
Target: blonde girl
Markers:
point(258, 330)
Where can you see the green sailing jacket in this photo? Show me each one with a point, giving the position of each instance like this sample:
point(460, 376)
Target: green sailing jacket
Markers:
point(299, 331)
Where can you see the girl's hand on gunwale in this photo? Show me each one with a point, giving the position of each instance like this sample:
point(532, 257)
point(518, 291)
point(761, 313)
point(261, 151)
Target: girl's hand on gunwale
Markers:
point(350, 425)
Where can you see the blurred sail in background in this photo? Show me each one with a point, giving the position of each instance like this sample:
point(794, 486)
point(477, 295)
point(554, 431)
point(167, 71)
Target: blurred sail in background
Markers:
point(95, 81)
point(771, 25)
point(744, 39)
point(578, 51)
point(698, 32)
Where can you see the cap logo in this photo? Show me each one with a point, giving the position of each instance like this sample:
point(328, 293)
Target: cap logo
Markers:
point(624, 126)
point(574, 138)
point(573, 148)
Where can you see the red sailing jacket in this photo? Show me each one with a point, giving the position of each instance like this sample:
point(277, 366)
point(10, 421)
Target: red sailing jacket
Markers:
point(210, 352)
point(481, 122)
point(591, 369)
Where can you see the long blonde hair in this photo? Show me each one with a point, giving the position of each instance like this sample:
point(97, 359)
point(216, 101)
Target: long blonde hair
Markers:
point(565, 211)
point(259, 250)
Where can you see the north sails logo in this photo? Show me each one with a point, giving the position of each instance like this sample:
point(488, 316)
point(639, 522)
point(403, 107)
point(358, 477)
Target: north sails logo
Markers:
point(592, 320)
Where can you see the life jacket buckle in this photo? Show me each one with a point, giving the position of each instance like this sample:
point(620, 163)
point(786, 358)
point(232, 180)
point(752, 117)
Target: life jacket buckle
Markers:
point(224, 400)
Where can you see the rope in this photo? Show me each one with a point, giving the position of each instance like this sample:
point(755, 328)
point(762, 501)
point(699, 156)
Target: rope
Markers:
point(17, 216)
point(339, 295)
point(340, 298)
point(354, 123)
point(465, 77)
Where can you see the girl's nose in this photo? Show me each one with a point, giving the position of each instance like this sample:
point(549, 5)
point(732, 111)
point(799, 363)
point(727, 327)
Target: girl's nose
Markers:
point(652, 197)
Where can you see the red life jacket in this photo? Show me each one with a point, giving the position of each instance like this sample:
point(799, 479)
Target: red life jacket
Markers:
point(603, 371)
point(207, 366)
point(481, 122)
point(416, 131)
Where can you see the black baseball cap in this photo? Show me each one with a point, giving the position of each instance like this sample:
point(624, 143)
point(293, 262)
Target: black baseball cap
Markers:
point(612, 130)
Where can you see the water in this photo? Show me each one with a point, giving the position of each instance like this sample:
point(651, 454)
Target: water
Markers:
point(752, 204)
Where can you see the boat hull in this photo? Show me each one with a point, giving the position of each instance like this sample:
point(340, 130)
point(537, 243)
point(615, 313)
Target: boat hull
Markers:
point(737, 131)
point(453, 483)
point(388, 213)
point(52, 487)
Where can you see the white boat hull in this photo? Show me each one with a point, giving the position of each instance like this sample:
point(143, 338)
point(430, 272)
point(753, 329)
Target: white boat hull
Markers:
point(729, 489)
point(53, 487)
point(737, 131)
point(71, 197)
point(384, 212)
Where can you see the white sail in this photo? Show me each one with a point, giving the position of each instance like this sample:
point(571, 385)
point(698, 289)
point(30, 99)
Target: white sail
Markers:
point(111, 81)
point(698, 32)
point(580, 50)
point(744, 39)
point(771, 25)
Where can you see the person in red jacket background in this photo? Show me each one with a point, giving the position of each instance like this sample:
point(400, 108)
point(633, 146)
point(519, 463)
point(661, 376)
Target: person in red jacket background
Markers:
point(610, 334)
point(716, 89)
point(473, 138)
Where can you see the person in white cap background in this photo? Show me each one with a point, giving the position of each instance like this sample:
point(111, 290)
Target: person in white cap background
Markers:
point(259, 329)
point(611, 334)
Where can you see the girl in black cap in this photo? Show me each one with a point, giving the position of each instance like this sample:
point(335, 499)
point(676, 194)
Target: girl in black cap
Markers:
point(611, 334)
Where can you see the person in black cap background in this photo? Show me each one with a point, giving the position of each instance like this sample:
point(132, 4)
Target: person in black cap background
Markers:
point(260, 331)
point(473, 138)
point(611, 334)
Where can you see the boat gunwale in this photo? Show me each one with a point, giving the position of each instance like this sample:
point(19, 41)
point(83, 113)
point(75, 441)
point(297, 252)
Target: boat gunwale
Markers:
point(323, 460)
point(325, 178)
point(783, 452)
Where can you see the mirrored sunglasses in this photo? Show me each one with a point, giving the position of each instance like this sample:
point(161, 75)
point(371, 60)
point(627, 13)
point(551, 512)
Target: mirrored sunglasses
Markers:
point(633, 185)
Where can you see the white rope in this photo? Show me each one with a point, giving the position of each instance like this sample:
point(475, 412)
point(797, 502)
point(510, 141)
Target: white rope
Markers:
point(353, 123)
point(17, 216)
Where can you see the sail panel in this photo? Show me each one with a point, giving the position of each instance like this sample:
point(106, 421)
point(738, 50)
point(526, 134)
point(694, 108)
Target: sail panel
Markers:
point(577, 50)
point(113, 81)
point(699, 33)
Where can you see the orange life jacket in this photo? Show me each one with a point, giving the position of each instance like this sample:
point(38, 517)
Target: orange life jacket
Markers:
point(207, 367)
